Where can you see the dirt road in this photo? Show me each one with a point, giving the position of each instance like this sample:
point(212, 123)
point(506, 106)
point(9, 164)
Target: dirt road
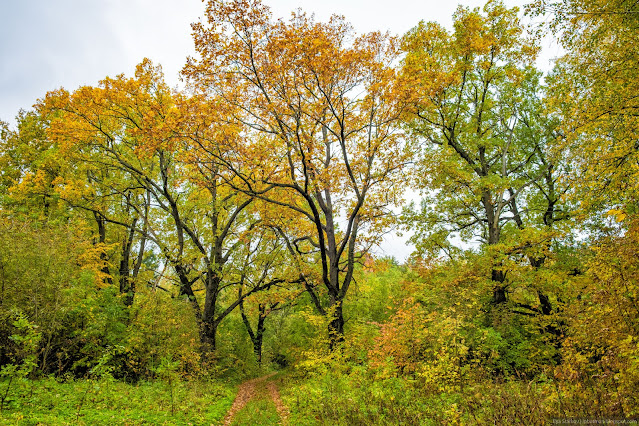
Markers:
point(260, 387)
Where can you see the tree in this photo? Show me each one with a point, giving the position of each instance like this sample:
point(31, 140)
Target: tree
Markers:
point(46, 182)
point(265, 260)
point(30, 168)
point(139, 129)
point(318, 134)
point(486, 161)
point(593, 89)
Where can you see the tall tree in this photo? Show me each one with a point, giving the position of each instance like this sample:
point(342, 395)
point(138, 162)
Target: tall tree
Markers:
point(138, 127)
point(477, 105)
point(44, 181)
point(319, 120)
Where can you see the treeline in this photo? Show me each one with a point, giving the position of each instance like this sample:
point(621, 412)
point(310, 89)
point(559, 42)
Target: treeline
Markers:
point(229, 224)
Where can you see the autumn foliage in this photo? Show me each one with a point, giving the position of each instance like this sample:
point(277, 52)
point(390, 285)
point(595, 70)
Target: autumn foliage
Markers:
point(230, 227)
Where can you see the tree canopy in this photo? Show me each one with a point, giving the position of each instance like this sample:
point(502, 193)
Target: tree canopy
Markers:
point(230, 227)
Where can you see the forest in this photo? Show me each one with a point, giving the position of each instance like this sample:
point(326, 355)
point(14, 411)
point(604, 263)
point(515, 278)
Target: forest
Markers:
point(207, 254)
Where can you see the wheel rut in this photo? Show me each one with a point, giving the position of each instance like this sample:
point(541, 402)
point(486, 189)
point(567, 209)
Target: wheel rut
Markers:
point(258, 387)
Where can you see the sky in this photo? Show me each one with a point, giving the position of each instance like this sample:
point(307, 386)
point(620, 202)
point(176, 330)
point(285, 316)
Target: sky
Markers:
point(48, 44)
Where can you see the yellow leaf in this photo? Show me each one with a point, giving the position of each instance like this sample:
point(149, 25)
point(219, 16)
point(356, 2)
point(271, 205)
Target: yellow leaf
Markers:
point(619, 215)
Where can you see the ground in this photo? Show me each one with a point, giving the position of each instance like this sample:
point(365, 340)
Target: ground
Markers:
point(257, 402)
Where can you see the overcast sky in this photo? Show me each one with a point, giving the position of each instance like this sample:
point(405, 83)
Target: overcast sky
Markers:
point(47, 44)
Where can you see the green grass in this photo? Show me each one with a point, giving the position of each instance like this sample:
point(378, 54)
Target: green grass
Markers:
point(258, 411)
point(109, 402)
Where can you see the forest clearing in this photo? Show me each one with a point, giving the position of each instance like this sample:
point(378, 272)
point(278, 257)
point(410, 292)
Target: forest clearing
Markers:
point(207, 254)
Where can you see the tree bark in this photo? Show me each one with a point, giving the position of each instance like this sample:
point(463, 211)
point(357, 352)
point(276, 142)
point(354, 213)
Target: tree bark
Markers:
point(336, 326)
point(127, 285)
point(256, 336)
point(209, 321)
point(99, 219)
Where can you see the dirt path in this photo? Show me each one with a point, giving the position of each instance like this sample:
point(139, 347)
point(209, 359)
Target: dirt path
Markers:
point(282, 411)
point(248, 390)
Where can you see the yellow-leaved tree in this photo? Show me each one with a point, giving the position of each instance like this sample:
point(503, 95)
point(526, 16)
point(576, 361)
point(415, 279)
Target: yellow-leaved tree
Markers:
point(318, 131)
point(136, 139)
point(594, 89)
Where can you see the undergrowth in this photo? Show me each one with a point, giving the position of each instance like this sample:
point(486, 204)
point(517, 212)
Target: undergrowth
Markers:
point(109, 402)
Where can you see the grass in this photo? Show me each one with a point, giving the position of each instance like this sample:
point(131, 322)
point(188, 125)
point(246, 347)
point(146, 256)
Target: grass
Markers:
point(108, 402)
point(258, 411)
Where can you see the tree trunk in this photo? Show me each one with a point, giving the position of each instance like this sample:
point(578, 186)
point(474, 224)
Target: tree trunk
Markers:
point(259, 333)
point(103, 255)
point(494, 234)
point(336, 326)
point(127, 285)
point(209, 323)
point(499, 295)
point(544, 301)
point(499, 288)
point(256, 336)
point(208, 335)
point(186, 291)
